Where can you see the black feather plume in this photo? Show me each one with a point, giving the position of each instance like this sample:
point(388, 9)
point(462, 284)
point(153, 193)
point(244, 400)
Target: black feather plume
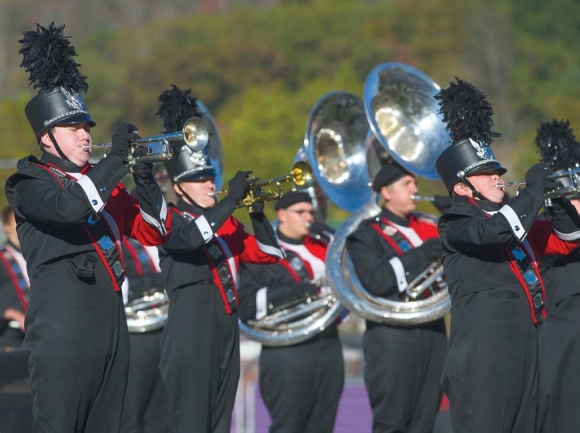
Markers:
point(47, 56)
point(466, 112)
point(557, 145)
point(175, 107)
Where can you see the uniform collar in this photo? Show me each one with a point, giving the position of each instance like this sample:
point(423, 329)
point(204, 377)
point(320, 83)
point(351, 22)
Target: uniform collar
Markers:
point(288, 240)
point(489, 206)
point(191, 208)
point(385, 213)
point(62, 164)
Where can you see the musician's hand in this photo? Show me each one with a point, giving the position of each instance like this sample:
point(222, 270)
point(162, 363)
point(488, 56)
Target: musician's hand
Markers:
point(121, 140)
point(303, 289)
point(432, 248)
point(537, 175)
point(13, 315)
point(257, 207)
point(238, 184)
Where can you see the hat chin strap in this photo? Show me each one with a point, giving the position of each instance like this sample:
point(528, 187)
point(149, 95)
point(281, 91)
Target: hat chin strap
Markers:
point(57, 147)
point(476, 194)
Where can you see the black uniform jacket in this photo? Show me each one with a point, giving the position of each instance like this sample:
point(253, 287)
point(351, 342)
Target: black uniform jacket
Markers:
point(183, 257)
point(477, 233)
point(561, 276)
point(54, 202)
point(379, 267)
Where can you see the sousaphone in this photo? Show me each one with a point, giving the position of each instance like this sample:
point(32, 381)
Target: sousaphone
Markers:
point(405, 125)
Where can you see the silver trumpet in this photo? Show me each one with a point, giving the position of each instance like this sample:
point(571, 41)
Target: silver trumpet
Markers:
point(159, 147)
point(569, 184)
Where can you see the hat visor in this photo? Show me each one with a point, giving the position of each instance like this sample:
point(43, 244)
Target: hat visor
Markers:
point(487, 168)
point(76, 118)
point(198, 175)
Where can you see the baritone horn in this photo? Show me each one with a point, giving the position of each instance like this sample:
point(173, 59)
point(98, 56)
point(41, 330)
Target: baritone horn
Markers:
point(272, 189)
point(160, 147)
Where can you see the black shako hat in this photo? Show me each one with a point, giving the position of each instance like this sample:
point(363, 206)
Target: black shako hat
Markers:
point(390, 172)
point(175, 108)
point(468, 116)
point(291, 198)
point(559, 149)
point(47, 56)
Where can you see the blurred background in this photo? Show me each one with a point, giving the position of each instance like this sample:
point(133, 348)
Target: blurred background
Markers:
point(260, 66)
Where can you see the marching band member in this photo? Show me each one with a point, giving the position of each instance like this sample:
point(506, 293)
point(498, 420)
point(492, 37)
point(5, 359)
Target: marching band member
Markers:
point(560, 330)
point(402, 363)
point(145, 405)
point(200, 361)
point(15, 404)
point(301, 384)
point(490, 257)
point(71, 217)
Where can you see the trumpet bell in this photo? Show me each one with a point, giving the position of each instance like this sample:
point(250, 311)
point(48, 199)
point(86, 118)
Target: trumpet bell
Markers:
point(195, 134)
point(302, 174)
point(335, 144)
point(319, 198)
point(404, 116)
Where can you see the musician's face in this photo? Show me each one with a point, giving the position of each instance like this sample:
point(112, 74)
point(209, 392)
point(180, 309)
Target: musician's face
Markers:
point(398, 196)
point(72, 140)
point(198, 190)
point(486, 184)
point(295, 219)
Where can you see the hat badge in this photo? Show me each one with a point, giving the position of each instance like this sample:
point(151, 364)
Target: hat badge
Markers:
point(73, 100)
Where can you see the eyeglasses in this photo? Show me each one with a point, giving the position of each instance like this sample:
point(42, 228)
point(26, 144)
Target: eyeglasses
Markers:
point(301, 211)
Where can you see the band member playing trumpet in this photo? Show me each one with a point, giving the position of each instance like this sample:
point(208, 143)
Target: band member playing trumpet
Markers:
point(490, 256)
point(200, 361)
point(301, 384)
point(560, 331)
point(402, 364)
point(71, 217)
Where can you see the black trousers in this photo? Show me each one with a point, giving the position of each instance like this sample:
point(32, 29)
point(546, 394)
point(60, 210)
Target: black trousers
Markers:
point(145, 406)
point(77, 345)
point(301, 385)
point(491, 373)
point(559, 368)
point(200, 361)
point(402, 375)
